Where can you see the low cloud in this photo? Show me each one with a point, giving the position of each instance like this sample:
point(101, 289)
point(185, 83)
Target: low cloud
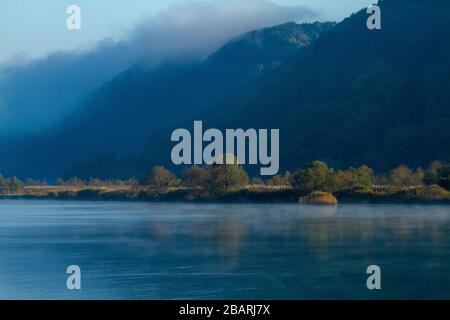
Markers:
point(202, 27)
point(38, 94)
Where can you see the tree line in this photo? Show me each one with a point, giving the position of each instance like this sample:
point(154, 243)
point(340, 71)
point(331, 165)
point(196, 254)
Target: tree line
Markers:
point(10, 185)
point(223, 179)
point(316, 176)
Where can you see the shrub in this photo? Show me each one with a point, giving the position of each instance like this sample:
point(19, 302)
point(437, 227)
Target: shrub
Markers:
point(319, 197)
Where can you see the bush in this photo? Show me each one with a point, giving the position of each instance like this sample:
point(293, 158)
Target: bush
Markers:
point(319, 197)
point(433, 192)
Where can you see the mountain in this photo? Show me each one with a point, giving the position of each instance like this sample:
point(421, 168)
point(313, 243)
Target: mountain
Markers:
point(140, 100)
point(118, 117)
point(354, 96)
point(349, 97)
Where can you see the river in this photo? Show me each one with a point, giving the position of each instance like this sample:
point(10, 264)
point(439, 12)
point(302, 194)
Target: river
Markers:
point(129, 250)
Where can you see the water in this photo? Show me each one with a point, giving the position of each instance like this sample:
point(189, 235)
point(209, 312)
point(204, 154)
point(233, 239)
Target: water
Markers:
point(211, 251)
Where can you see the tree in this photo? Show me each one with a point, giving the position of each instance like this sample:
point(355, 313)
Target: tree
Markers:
point(314, 177)
point(195, 177)
point(364, 177)
point(160, 178)
point(225, 178)
point(284, 180)
point(3, 183)
point(15, 184)
point(352, 178)
point(438, 173)
point(404, 176)
point(257, 181)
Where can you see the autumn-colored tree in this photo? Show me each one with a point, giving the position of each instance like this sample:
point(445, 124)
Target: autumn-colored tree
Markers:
point(281, 180)
point(160, 178)
point(195, 177)
point(404, 176)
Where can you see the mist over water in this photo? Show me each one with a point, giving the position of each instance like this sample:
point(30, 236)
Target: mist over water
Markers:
point(212, 251)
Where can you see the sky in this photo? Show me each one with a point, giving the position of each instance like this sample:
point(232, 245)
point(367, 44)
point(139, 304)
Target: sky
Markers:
point(32, 29)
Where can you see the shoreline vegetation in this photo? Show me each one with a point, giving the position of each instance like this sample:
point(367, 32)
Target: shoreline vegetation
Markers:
point(315, 183)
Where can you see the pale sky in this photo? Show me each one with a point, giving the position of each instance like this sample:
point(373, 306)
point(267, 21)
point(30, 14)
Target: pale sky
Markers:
point(34, 28)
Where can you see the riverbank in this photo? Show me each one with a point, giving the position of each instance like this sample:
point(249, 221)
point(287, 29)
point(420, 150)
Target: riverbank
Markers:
point(252, 194)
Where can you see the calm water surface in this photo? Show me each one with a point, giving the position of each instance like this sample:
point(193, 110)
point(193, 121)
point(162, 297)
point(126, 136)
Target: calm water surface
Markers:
point(209, 251)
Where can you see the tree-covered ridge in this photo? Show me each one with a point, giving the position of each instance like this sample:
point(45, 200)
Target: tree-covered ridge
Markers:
point(118, 118)
point(351, 97)
point(357, 96)
point(354, 96)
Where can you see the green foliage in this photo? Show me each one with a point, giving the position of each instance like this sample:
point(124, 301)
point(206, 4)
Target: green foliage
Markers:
point(356, 96)
point(319, 177)
point(313, 177)
point(225, 178)
point(361, 178)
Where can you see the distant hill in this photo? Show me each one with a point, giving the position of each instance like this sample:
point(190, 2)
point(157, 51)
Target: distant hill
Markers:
point(118, 118)
point(355, 96)
point(351, 96)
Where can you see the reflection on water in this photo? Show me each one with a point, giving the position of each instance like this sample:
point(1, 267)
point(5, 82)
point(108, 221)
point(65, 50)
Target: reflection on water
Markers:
point(176, 251)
